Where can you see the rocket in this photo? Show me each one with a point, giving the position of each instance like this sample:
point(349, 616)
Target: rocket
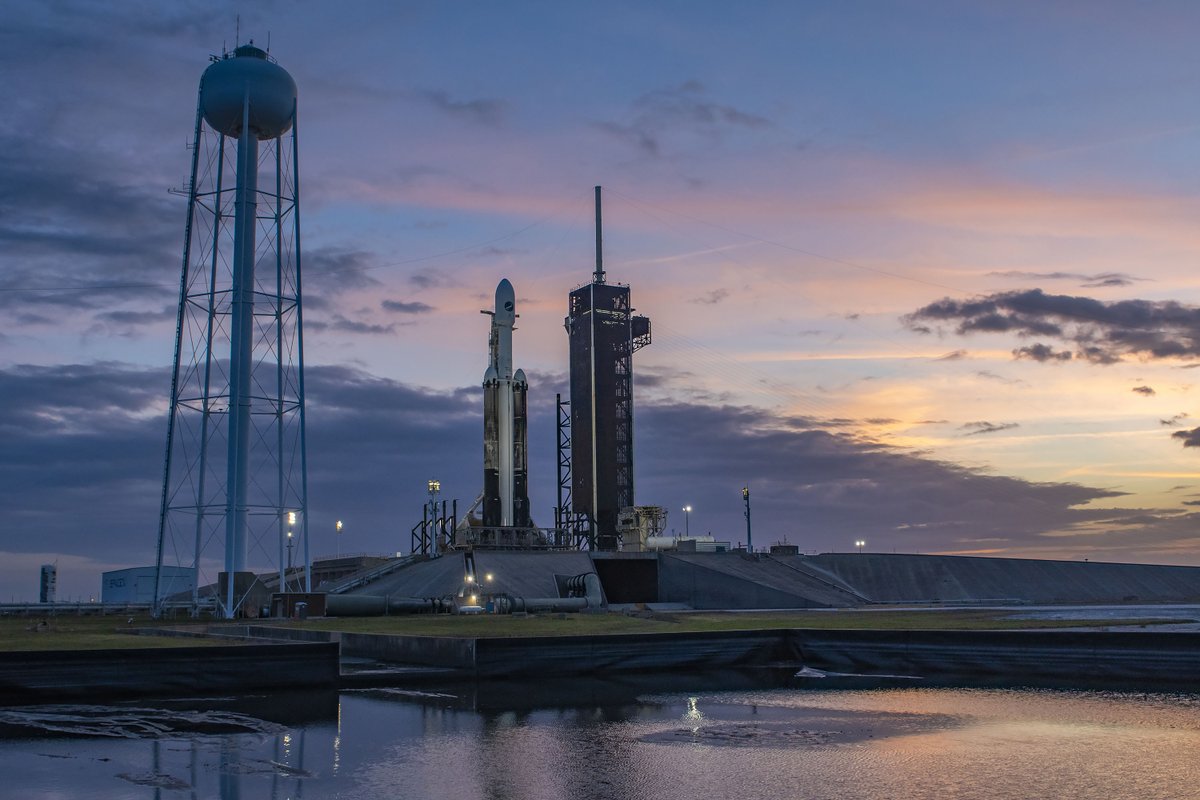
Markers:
point(505, 441)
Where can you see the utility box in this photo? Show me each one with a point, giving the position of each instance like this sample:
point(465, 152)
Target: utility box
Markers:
point(297, 605)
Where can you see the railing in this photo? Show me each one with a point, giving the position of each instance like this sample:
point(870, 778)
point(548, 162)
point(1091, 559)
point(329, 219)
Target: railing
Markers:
point(363, 577)
point(512, 539)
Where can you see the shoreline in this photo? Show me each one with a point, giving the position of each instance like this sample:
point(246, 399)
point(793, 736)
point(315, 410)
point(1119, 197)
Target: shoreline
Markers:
point(269, 658)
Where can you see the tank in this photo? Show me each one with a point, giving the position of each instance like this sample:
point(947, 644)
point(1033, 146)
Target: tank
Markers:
point(669, 542)
point(272, 91)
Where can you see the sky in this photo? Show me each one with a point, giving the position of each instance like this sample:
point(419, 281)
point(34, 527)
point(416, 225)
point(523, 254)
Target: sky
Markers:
point(920, 274)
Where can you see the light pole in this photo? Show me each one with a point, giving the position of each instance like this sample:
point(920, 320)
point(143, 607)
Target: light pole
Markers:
point(337, 538)
point(749, 540)
point(291, 518)
point(860, 544)
point(687, 529)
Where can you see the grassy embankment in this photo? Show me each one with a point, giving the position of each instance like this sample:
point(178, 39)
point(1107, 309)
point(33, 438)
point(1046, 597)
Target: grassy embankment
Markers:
point(113, 632)
point(613, 623)
point(87, 633)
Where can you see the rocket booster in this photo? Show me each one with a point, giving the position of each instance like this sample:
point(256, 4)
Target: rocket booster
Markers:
point(505, 443)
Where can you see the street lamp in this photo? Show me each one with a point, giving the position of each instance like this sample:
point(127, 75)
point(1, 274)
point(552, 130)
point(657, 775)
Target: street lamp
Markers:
point(860, 544)
point(749, 539)
point(289, 566)
point(687, 528)
point(337, 529)
point(283, 576)
point(435, 488)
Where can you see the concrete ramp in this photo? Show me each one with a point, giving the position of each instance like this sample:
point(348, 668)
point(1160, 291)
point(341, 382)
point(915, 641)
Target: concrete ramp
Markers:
point(733, 580)
point(521, 574)
point(436, 577)
point(891, 578)
point(529, 574)
point(831, 580)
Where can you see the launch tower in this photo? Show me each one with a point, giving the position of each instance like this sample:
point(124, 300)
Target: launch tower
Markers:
point(603, 334)
point(235, 481)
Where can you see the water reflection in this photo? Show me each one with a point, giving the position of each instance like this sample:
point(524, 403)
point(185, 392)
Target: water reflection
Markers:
point(720, 736)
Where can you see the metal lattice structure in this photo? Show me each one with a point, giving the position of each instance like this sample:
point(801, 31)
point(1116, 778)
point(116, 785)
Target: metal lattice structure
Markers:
point(235, 496)
point(573, 529)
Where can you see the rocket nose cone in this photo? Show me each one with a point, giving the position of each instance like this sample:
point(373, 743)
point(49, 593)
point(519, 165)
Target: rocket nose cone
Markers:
point(506, 300)
point(490, 376)
point(519, 377)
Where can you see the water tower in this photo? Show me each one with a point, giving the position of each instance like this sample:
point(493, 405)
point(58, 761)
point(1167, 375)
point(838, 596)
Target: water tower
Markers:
point(235, 478)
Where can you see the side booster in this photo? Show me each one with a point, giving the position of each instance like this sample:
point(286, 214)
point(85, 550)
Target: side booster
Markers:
point(505, 443)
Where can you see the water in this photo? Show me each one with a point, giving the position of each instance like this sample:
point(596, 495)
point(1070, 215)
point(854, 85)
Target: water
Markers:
point(621, 739)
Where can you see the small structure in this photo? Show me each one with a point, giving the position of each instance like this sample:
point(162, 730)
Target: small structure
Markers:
point(637, 525)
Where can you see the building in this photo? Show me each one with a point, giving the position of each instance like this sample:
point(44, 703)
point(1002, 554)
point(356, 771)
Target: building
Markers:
point(49, 583)
point(136, 584)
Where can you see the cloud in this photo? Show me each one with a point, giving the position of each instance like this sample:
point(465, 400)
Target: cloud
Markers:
point(482, 111)
point(344, 325)
point(991, 376)
point(1173, 421)
point(1041, 353)
point(77, 235)
point(710, 298)
point(977, 428)
point(848, 486)
point(91, 436)
point(1102, 332)
point(432, 279)
point(332, 270)
point(1143, 390)
point(953, 355)
point(676, 113)
point(1099, 280)
point(403, 307)
point(127, 322)
point(1189, 438)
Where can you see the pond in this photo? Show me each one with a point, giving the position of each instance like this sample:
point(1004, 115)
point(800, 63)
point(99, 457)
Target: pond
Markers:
point(719, 736)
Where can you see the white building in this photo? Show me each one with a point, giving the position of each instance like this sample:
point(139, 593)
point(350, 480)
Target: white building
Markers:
point(136, 584)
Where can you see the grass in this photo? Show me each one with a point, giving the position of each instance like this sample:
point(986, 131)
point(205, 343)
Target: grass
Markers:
point(613, 623)
point(86, 633)
point(112, 632)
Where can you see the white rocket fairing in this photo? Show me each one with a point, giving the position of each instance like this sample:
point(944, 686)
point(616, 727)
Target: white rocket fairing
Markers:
point(505, 446)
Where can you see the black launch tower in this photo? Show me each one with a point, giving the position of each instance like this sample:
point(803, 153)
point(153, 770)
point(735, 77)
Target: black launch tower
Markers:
point(603, 334)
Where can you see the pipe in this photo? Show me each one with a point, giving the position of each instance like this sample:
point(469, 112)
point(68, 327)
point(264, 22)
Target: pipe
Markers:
point(593, 598)
point(376, 605)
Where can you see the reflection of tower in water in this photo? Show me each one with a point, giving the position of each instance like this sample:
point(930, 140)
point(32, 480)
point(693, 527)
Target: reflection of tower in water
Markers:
point(235, 465)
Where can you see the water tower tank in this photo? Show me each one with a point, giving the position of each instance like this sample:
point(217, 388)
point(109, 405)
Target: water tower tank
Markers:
point(248, 72)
